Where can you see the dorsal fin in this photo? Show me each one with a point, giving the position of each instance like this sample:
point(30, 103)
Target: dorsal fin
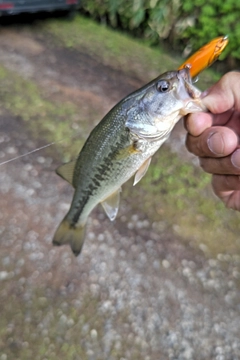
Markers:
point(66, 171)
point(141, 171)
point(111, 204)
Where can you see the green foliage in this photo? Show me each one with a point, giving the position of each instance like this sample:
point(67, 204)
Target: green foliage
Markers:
point(178, 22)
point(43, 117)
point(212, 20)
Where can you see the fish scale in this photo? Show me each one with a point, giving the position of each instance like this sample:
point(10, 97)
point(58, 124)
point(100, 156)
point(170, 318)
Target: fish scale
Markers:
point(122, 145)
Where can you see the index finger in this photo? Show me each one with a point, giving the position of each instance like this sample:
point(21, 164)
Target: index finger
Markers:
point(224, 95)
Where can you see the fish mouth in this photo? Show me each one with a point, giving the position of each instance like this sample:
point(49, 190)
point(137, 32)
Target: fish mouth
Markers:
point(188, 93)
point(184, 74)
point(185, 79)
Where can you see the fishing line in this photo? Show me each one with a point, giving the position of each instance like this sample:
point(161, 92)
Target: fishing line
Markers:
point(33, 151)
point(28, 153)
point(73, 137)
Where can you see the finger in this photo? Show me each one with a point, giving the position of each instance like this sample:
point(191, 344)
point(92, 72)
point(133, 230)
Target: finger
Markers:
point(233, 122)
point(196, 123)
point(229, 165)
point(223, 95)
point(217, 141)
point(223, 183)
point(227, 188)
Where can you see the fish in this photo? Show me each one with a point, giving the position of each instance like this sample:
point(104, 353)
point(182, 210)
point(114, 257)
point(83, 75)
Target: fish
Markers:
point(121, 146)
point(205, 56)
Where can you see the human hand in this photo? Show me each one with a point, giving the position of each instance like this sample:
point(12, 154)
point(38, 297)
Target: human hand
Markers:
point(214, 138)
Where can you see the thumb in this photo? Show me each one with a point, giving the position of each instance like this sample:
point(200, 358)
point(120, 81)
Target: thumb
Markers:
point(224, 95)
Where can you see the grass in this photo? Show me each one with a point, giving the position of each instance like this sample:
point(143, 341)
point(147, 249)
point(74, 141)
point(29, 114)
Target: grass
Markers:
point(173, 190)
point(180, 195)
point(119, 50)
point(112, 47)
point(41, 322)
point(45, 119)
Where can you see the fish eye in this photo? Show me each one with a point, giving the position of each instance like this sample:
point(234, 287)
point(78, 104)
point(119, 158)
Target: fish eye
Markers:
point(163, 86)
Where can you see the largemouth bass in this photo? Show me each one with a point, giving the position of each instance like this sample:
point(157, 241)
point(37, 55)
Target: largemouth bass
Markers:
point(122, 145)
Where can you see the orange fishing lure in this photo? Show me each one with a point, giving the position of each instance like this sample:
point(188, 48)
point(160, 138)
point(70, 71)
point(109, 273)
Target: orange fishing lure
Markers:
point(205, 56)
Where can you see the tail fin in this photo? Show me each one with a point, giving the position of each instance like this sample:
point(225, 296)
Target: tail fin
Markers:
point(67, 234)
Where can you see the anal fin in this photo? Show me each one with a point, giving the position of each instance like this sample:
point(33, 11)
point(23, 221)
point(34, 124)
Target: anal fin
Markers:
point(141, 171)
point(111, 204)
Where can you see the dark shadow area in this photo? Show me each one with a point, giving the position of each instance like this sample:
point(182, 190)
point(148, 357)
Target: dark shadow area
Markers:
point(32, 18)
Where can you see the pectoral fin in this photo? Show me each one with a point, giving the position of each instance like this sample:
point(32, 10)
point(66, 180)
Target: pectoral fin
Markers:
point(111, 204)
point(141, 171)
point(66, 171)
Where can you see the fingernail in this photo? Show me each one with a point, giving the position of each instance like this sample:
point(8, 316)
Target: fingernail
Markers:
point(216, 143)
point(235, 158)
